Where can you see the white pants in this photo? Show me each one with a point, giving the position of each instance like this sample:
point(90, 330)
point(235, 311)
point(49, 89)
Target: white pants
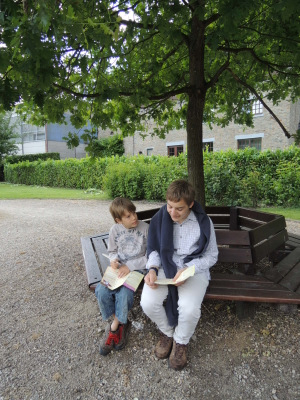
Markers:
point(190, 296)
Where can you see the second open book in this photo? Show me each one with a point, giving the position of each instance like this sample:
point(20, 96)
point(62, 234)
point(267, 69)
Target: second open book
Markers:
point(189, 271)
point(133, 279)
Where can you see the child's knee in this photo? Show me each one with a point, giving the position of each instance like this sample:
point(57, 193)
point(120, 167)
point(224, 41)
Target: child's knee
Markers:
point(100, 291)
point(147, 305)
point(190, 312)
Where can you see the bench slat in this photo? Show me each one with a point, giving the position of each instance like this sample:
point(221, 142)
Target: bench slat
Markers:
point(293, 240)
point(280, 270)
point(292, 280)
point(227, 254)
point(256, 215)
point(100, 246)
point(260, 295)
point(220, 219)
point(239, 238)
point(268, 246)
point(91, 262)
point(265, 231)
point(147, 214)
point(241, 285)
point(245, 223)
point(217, 210)
point(217, 276)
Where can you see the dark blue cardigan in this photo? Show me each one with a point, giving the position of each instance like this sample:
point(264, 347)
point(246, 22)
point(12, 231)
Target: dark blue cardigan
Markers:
point(160, 238)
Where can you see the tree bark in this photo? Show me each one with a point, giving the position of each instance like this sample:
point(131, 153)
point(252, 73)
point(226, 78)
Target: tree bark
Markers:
point(194, 146)
point(195, 110)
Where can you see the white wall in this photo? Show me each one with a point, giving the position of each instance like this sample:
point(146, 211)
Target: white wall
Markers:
point(32, 147)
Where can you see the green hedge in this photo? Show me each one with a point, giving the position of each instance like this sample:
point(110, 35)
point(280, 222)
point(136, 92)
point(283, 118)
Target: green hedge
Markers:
point(245, 177)
point(31, 157)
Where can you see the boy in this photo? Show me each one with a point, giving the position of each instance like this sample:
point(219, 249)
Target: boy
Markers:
point(180, 235)
point(127, 252)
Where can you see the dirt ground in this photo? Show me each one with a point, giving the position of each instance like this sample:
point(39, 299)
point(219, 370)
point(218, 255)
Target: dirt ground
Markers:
point(50, 326)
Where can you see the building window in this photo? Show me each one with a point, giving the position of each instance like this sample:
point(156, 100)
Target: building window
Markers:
point(257, 108)
point(208, 146)
point(175, 150)
point(149, 151)
point(250, 142)
point(32, 133)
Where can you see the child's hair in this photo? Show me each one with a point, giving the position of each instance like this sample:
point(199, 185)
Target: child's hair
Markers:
point(181, 189)
point(119, 205)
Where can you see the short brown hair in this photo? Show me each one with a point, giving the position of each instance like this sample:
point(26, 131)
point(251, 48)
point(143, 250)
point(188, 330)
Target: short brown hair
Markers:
point(119, 205)
point(181, 189)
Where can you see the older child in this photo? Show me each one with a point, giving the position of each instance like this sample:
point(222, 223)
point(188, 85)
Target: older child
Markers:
point(127, 252)
point(180, 235)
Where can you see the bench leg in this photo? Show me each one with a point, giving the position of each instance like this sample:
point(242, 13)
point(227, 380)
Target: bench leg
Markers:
point(245, 309)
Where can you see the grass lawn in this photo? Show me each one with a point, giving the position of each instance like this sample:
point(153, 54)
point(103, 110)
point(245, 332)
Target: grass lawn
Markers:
point(291, 213)
point(9, 191)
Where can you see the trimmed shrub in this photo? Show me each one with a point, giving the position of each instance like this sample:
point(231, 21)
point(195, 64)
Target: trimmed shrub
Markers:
point(287, 184)
point(246, 177)
point(31, 157)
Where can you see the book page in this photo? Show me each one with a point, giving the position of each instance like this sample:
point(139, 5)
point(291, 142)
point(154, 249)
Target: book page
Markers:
point(111, 281)
point(190, 271)
point(133, 280)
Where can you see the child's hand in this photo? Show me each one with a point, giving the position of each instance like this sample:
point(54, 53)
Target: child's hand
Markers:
point(178, 275)
point(150, 279)
point(115, 264)
point(123, 271)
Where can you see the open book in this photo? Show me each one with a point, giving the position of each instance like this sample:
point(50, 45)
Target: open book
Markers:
point(190, 271)
point(111, 281)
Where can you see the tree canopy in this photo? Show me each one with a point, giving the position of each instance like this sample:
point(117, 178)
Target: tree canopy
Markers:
point(179, 62)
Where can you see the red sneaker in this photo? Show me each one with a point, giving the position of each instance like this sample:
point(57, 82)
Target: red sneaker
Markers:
point(108, 341)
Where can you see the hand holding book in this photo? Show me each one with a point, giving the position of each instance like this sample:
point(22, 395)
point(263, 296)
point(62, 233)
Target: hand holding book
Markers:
point(112, 281)
point(190, 271)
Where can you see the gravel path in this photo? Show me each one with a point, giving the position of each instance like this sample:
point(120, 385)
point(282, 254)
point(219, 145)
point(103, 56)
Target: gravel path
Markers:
point(51, 327)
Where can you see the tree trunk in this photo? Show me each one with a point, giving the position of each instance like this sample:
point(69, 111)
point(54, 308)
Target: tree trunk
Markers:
point(194, 146)
point(195, 110)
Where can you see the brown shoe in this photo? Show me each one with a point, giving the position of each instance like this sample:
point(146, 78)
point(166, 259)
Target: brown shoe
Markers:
point(178, 359)
point(163, 347)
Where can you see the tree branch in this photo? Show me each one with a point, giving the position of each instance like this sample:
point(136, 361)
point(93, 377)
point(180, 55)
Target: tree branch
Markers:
point(269, 35)
point(211, 19)
point(275, 67)
point(215, 78)
point(166, 57)
point(162, 96)
point(252, 90)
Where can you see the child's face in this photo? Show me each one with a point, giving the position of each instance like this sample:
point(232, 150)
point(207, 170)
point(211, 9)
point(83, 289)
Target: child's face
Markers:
point(129, 220)
point(178, 211)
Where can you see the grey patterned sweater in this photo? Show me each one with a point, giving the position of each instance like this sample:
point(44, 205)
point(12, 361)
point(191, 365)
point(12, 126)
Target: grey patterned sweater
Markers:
point(129, 245)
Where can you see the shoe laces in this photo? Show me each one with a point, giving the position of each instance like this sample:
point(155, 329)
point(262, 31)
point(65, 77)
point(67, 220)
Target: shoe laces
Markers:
point(179, 350)
point(164, 339)
point(112, 337)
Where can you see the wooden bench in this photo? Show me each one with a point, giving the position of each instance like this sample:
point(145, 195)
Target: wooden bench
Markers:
point(246, 243)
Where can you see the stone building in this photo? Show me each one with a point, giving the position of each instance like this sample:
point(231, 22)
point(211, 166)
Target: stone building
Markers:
point(266, 134)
